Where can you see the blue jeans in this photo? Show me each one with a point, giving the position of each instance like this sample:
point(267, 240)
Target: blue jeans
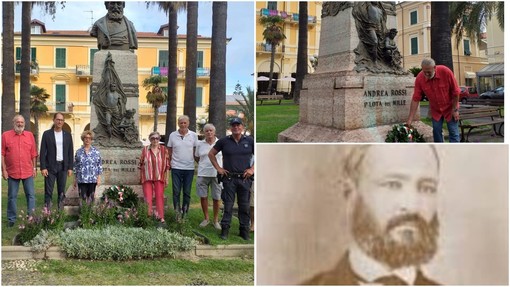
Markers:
point(453, 130)
point(12, 196)
point(182, 179)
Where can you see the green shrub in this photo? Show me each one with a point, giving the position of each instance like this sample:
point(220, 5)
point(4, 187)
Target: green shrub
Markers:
point(44, 240)
point(43, 220)
point(123, 243)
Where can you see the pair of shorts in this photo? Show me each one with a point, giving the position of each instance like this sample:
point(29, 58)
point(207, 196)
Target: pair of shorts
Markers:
point(203, 184)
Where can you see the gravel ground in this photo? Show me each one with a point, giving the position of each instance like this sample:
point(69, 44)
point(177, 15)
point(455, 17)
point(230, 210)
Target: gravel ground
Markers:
point(21, 272)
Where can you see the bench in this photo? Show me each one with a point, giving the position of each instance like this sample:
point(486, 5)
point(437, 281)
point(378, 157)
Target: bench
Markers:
point(484, 102)
point(263, 98)
point(483, 114)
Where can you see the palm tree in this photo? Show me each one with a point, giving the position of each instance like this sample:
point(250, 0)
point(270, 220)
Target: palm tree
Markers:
point(156, 97)
point(273, 34)
point(190, 92)
point(25, 66)
point(24, 89)
point(217, 88)
point(38, 97)
point(469, 18)
point(440, 35)
point(8, 95)
point(172, 9)
point(302, 54)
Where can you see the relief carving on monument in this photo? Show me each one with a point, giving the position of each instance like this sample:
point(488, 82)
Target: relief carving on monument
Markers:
point(115, 124)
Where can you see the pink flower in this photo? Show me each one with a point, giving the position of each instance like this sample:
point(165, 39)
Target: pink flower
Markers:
point(21, 226)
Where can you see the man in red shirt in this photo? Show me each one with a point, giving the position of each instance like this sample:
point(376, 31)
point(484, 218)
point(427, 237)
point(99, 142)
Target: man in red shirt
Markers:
point(441, 88)
point(19, 157)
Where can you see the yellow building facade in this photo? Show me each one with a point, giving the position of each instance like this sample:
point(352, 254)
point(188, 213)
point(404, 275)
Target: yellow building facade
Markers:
point(413, 40)
point(286, 52)
point(62, 63)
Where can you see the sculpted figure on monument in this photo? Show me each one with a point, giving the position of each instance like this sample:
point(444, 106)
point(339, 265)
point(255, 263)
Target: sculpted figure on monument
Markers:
point(114, 31)
point(371, 53)
point(391, 52)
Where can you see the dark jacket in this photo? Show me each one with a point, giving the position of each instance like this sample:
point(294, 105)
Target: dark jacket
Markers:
point(343, 274)
point(48, 152)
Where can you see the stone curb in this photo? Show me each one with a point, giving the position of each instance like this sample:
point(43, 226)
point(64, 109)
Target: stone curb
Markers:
point(218, 251)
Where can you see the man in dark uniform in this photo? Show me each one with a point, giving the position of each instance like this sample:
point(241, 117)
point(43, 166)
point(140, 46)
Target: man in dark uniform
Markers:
point(391, 207)
point(237, 176)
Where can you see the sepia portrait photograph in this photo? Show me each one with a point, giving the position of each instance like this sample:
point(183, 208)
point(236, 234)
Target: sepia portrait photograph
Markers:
point(376, 214)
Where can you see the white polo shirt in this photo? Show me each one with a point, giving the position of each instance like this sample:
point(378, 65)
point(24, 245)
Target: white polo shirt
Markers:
point(182, 150)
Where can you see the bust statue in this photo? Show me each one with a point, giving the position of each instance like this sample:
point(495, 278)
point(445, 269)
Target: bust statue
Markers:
point(114, 31)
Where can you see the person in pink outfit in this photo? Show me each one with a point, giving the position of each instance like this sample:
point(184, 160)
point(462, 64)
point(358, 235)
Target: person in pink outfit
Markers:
point(154, 166)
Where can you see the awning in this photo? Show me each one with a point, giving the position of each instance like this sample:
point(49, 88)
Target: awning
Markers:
point(469, 75)
point(492, 69)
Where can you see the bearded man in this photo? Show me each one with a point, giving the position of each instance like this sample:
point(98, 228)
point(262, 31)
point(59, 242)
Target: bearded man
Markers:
point(392, 212)
point(114, 31)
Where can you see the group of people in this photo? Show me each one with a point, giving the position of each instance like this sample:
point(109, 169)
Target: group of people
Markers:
point(230, 157)
point(225, 166)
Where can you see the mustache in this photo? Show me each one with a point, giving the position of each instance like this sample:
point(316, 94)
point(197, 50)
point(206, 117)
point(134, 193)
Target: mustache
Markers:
point(413, 218)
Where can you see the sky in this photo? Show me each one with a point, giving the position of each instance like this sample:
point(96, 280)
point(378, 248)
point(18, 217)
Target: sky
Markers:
point(240, 27)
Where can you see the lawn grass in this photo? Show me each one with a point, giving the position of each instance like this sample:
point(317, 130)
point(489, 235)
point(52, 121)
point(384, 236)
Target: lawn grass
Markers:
point(162, 271)
point(273, 119)
point(195, 215)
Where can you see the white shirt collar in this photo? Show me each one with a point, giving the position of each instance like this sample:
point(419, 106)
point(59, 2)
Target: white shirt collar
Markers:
point(370, 269)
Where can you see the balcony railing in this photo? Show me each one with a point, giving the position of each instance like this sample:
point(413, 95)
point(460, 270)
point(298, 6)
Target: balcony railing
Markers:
point(34, 69)
point(288, 17)
point(266, 48)
point(163, 71)
point(83, 70)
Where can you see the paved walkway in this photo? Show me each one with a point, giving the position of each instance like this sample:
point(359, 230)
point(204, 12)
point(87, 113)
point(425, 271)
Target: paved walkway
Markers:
point(480, 135)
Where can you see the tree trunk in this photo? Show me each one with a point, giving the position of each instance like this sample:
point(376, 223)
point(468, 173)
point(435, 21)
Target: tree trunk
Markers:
point(271, 69)
point(171, 107)
point(217, 90)
point(302, 54)
point(190, 94)
point(24, 90)
point(8, 96)
point(440, 34)
point(156, 114)
point(36, 132)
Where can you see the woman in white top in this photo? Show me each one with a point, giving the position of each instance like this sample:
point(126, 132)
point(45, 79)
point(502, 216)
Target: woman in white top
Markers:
point(206, 176)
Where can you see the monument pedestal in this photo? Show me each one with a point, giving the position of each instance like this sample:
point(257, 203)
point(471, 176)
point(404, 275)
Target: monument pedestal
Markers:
point(352, 107)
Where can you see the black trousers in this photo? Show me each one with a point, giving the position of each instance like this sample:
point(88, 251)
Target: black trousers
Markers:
point(241, 188)
point(60, 175)
point(87, 191)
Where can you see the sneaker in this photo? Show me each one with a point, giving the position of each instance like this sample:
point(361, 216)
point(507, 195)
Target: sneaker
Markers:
point(217, 225)
point(205, 223)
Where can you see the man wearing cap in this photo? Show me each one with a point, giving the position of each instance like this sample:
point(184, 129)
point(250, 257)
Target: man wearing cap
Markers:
point(237, 176)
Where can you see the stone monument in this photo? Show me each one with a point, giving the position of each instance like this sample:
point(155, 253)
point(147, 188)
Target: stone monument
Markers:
point(359, 89)
point(114, 103)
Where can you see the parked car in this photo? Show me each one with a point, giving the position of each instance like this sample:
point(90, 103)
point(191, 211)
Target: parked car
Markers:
point(497, 93)
point(467, 93)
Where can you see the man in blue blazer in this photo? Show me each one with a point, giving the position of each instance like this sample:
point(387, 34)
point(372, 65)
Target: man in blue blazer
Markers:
point(56, 160)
